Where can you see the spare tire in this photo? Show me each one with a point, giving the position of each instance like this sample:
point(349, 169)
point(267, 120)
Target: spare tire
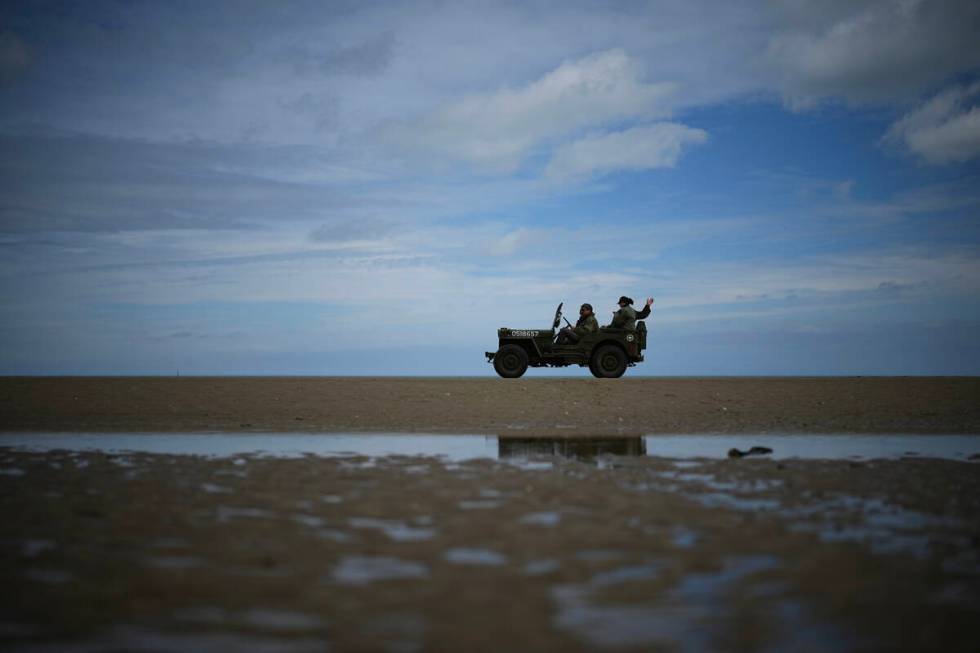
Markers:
point(510, 361)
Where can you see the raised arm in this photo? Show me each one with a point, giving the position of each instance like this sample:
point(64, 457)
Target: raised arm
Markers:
point(645, 311)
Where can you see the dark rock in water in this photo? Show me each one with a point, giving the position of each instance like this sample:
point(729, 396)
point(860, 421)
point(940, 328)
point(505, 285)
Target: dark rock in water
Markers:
point(754, 451)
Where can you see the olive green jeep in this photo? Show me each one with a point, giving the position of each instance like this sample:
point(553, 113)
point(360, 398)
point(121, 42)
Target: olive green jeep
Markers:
point(607, 352)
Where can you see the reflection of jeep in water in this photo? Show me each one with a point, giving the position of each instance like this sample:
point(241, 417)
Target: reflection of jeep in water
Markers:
point(583, 449)
point(608, 352)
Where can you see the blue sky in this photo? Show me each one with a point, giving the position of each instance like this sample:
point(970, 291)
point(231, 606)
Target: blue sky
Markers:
point(350, 188)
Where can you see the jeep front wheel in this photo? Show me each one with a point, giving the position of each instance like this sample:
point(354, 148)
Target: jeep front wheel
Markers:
point(510, 361)
point(609, 362)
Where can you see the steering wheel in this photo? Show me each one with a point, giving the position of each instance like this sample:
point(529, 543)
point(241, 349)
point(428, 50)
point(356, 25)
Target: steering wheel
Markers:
point(557, 321)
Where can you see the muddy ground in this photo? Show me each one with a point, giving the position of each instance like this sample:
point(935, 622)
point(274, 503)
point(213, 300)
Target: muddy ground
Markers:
point(178, 553)
point(582, 406)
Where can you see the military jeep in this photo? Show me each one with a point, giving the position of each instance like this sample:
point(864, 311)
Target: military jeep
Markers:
point(607, 352)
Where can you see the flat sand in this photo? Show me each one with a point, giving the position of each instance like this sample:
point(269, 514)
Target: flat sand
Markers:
point(567, 406)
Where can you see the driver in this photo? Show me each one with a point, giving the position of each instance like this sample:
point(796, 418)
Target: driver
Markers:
point(586, 324)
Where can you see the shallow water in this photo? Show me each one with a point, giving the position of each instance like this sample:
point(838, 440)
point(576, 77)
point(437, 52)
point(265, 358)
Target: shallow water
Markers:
point(279, 445)
point(467, 447)
point(832, 446)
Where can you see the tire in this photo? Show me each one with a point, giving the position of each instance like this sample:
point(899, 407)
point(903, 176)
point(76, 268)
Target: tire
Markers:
point(592, 368)
point(609, 361)
point(510, 361)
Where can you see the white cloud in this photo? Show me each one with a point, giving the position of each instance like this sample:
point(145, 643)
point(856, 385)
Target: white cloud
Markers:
point(871, 51)
point(650, 146)
point(946, 129)
point(497, 130)
point(510, 242)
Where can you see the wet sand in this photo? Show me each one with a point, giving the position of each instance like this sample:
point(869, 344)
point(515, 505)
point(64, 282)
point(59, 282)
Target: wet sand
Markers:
point(168, 552)
point(573, 406)
point(173, 553)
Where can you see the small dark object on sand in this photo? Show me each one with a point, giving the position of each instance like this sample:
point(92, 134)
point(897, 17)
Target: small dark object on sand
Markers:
point(754, 451)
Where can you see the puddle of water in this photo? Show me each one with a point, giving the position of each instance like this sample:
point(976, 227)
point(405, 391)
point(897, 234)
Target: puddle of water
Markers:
point(684, 538)
point(211, 488)
point(226, 513)
point(462, 556)
point(721, 500)
point(626, 574)
point(479, 504)
point(884, 526)
point(682, 618)
point(523, 452)
point(308, 520)
point(361, 570)
point(541, 519)
point(708, 587)
point(541, 567)
point(334, 535)
point(281, 620)
point(953, 447)
point(598, 555)
point(280, 445)
point(395, 530)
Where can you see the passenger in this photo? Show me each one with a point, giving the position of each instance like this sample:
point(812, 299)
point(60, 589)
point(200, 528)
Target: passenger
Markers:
point(626, 316)
point(586, 324)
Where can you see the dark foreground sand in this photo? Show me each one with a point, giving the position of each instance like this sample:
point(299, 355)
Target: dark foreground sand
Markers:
point(170, 553)
point(492, 405)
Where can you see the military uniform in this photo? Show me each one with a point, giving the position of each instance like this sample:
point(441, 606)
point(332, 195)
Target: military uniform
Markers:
point(586, 325)
point(624, 318)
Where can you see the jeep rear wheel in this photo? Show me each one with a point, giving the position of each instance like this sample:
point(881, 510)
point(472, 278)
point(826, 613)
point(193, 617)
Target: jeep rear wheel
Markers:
point(593, 368)
point(609, 362)
point(510, 361)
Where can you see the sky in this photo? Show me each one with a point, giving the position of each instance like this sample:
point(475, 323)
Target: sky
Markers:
point(374, 188)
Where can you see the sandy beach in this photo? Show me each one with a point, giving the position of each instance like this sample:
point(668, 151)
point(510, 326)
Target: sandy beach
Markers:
point(544, 543)
point(492, 405)
point(174, 553)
